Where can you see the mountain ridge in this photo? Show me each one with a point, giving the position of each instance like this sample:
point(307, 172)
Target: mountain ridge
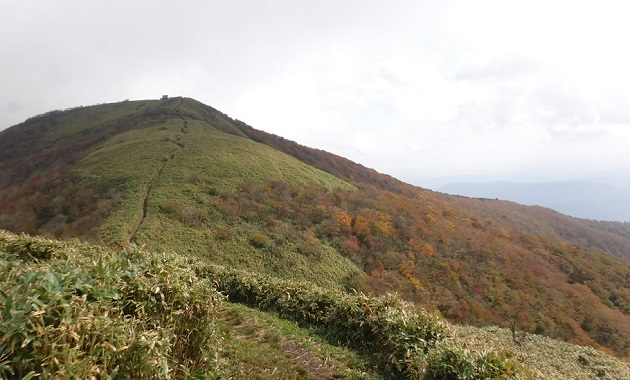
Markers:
point(582, 199)
point(177, 175)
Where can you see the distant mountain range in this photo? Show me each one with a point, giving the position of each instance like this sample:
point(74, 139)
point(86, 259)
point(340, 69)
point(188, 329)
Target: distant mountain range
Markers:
point(582, 199)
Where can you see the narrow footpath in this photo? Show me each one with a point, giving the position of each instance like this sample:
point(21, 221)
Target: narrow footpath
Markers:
point(156, 176)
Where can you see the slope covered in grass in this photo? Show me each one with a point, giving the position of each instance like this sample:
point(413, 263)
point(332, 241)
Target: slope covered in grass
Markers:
point(71, 310)
point(76, 311)
point(180, 176)
point(543, 357)
point(179, 167)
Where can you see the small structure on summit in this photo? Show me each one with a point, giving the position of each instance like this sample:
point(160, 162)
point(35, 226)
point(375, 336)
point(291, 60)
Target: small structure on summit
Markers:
point(164, 97)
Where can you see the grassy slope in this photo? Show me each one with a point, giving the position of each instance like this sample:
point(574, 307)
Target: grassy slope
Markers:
point(185, 162)
point(78, 289)
point(543, 357)
point(261, 345)
point(57, 127)
point(127, 162)
point(42, 144)
point(175, 149)
point(245, 342)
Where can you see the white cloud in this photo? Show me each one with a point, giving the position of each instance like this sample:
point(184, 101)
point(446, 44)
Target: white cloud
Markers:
point(414, 89)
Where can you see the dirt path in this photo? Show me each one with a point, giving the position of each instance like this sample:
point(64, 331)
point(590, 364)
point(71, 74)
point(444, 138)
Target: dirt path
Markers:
point(247, 328)
point(317, 368)
point(156, 176)
point(145, 202)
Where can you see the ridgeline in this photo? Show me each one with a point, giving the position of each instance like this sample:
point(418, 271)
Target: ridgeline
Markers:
point(257, 219)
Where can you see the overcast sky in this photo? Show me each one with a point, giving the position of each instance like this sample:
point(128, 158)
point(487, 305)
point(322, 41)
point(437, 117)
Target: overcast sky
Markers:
point(493, 90)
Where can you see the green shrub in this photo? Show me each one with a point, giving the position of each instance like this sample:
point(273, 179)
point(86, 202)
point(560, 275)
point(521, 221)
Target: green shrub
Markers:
point(165, 294)
point(194, 217)
point(69, 310)
point(224, 233)
point(458, 363)
point(173, 207)
point(397, 334)
point(259, 240)
point(130, 315)
point(29, 248)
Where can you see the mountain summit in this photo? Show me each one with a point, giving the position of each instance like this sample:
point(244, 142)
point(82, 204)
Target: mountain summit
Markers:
point(175, 175)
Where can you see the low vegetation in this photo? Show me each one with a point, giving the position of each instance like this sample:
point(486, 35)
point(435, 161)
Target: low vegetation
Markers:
point(71, 310)
point(77, 312)
point(396, 334)
point(542, 357)
point(472, 271)
point(257, 213)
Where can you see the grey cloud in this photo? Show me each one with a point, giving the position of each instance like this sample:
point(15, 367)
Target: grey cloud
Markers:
point(615, 112)
point(497, 71)
point(13, 107)
point(562, 113)
point(566, 116)
point(67, 53)
point(392, 76)
point(507, 110)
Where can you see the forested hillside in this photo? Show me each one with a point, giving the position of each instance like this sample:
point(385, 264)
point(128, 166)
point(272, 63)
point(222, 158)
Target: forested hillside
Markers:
point(179, 176)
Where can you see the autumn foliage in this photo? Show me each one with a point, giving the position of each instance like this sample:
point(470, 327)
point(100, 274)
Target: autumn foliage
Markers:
point(476, 261)
point(472, 271)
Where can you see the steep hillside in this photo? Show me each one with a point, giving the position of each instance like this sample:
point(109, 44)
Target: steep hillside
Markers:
point(179, 169)
point(472, 270)
point(72, 310)
point(179, 176)
point(144, 172)
point(611, 237)
point(620, 229)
